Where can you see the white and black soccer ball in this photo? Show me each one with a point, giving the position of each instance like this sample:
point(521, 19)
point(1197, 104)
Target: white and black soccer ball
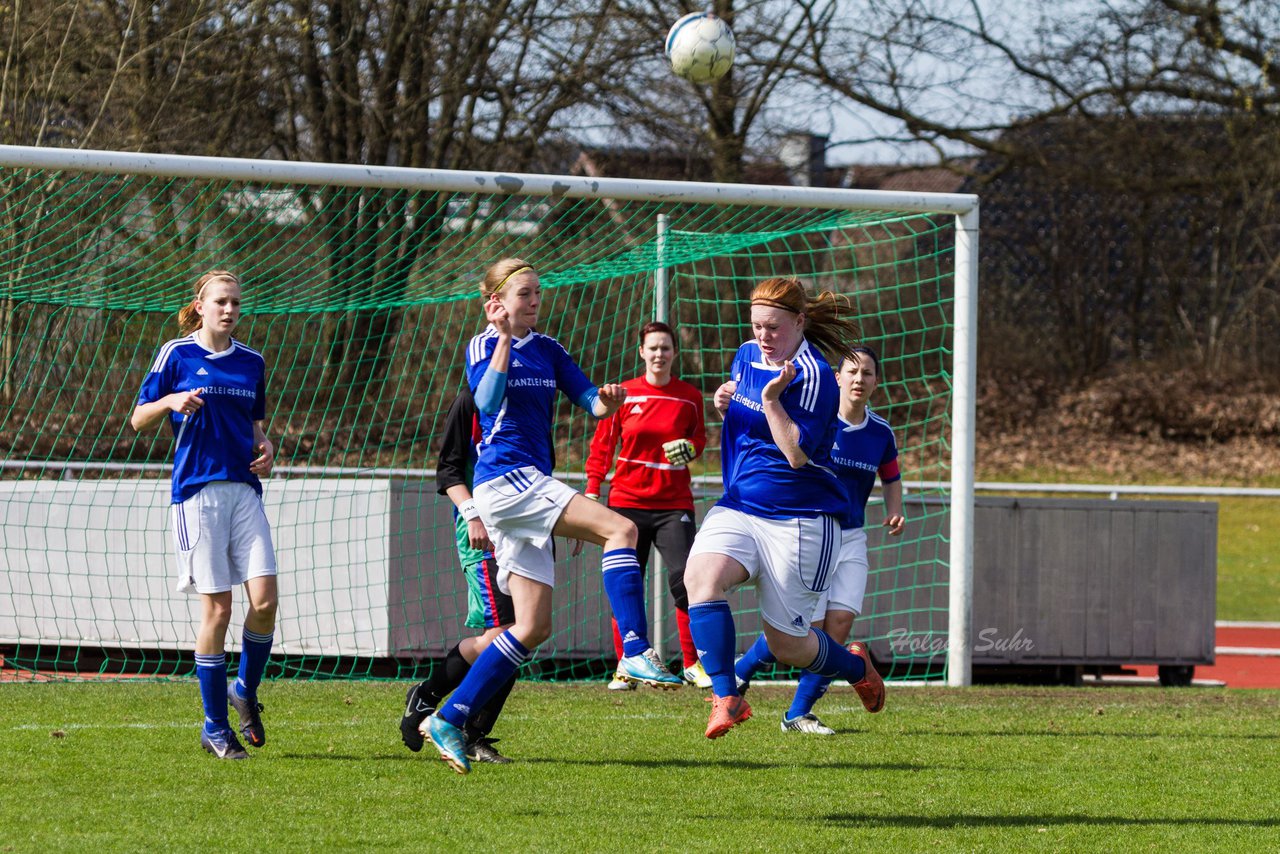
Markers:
point(700, 47)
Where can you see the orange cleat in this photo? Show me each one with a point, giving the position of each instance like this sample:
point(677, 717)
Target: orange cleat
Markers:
point(870, 687)
point(726, 713)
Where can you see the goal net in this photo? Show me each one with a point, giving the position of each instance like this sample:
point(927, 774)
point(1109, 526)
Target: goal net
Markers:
point(360, 288)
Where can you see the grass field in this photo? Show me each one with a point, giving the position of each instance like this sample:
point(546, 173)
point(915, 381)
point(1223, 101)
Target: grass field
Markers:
point(1249, 559)
point(116, 767)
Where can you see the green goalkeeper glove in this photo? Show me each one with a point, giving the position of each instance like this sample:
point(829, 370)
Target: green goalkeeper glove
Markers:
point(679, 452)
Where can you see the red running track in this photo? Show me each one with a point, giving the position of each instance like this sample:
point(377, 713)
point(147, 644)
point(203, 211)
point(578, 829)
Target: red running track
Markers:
point(1248, 656)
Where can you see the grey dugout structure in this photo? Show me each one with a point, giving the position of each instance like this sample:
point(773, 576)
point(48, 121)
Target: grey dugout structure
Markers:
point(1075, 583)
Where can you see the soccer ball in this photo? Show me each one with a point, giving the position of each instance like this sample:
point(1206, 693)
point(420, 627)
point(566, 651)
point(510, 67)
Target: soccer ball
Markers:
point(700, 47)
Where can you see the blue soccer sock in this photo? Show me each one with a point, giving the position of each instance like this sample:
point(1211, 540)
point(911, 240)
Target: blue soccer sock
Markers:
point(254, 652)
point(808, 692)
point(211, 671)
point(833, 660)
point(711, 624)
point(624, 584)
point(753, 659)
point(495, 666)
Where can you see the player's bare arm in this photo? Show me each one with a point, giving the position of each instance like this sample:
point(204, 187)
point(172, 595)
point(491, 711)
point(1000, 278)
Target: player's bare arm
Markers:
point(784, 431)
point(477, 534)
point(723, 397)
point(893, 518)
point(610, 400)
point(266, 459)
point(147, 415)
point(496, 313)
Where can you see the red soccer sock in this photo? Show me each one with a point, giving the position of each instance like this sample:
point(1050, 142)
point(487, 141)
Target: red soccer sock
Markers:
point(617, 640)
point(687, 648)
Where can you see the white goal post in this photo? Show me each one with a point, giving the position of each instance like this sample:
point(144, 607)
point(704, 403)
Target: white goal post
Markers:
point(963, 207)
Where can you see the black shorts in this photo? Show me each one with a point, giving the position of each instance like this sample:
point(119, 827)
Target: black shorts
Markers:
point(487, 606)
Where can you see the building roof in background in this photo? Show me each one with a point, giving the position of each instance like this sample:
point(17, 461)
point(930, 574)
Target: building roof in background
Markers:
point(666, 164)
point(912, 179)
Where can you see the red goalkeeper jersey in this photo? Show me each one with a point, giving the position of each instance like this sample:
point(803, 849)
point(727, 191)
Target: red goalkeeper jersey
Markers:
point(651, 416)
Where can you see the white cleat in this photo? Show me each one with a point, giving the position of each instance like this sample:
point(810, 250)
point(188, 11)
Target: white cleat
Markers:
point(696, 675)
point(617, 683)
point(807, 723)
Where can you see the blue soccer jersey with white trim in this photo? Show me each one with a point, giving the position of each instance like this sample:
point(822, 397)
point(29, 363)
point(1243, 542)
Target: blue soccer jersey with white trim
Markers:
point(519, 433)
point(757, 477)
point(216, 442)
point(861, 451)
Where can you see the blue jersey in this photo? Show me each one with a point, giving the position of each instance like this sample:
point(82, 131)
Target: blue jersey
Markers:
point(862, 451)
point(519, 433)
point(757, 477)
point(216, 442)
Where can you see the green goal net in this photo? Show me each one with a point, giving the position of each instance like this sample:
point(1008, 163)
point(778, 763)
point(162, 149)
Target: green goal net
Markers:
point(361, 292)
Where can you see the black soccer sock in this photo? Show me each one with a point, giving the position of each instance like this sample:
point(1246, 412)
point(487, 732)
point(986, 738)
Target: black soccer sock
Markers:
point(446, 677)
point(482, 723)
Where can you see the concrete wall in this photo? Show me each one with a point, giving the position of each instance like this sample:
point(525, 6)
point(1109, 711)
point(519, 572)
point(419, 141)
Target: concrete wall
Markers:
point(90, 561)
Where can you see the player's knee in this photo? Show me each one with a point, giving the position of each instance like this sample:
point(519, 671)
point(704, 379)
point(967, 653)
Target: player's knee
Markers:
point(480, 643)
point(262, 611)
point(838, 624)
point(217, 615)
point(789, 649)
point(702, 583)
point(532, 634)
point(532, 629)
point(625, 530)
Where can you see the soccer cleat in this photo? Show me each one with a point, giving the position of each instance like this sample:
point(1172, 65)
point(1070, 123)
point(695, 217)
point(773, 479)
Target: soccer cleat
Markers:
point(648, 669)
point(619, 682)
point(697, 676)
point(450, 741)
point(250, 712)
point(806, 723)
point(742, 684)
point(870, 687)
point(482, 750)
point(223, 745)
point(415, 712)
point(726, 713)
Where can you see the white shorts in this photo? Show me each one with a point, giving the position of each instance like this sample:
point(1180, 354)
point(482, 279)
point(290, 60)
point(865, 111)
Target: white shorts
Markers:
point(221, 538)
point(521, 509)
point(849, 581)
point(790, 560)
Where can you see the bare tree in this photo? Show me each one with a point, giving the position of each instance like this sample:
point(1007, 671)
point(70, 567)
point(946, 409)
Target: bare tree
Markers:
point(173, 76)
point(444, 84)
point(170, 76)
